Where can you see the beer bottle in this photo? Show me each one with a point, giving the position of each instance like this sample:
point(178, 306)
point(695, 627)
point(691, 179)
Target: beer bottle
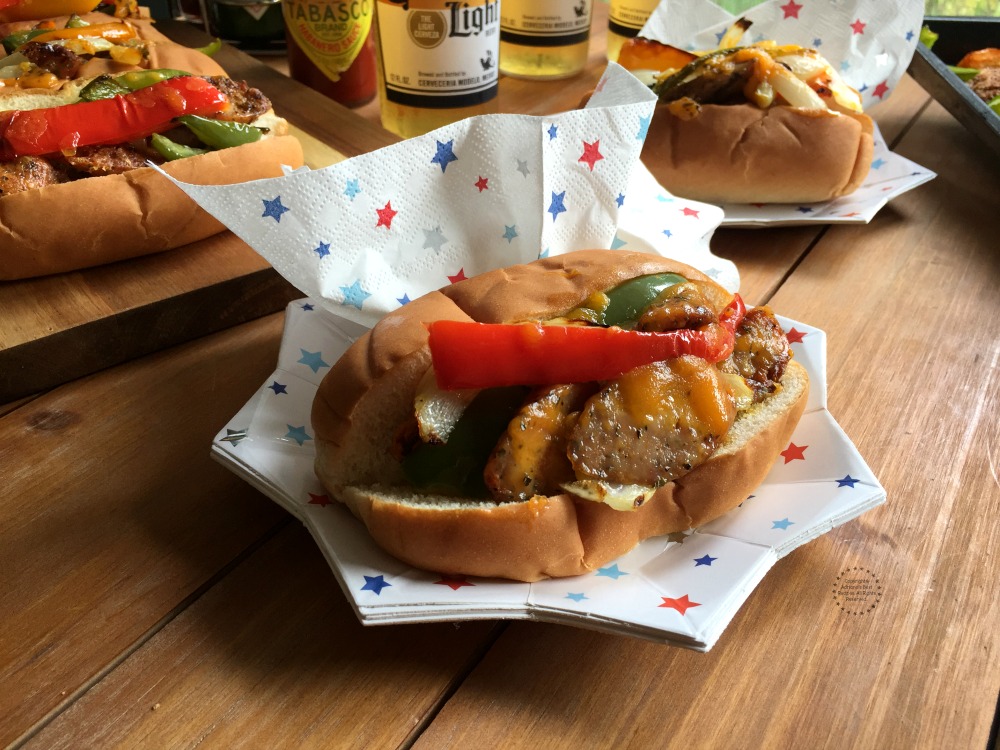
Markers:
point(331, 49)
point(625, 18)
point(544, 39)
point(438, 62)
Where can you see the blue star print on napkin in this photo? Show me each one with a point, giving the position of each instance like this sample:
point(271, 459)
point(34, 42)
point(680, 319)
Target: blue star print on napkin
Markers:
point(274, 209)
point(444, 155)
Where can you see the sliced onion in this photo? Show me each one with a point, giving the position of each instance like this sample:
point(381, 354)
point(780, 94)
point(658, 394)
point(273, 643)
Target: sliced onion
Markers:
point(623, 497)
point(741, 392)
point(807, 67)
point(10, 66)
point(844, 95)
point(438, 411)
point(804, 66)
point(85, 45)
point(797, 93)
point(763, 95)
point(126, 55)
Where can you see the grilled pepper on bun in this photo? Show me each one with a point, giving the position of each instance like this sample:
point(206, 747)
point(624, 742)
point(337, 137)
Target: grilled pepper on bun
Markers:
point(761, 123)
point(541, 420)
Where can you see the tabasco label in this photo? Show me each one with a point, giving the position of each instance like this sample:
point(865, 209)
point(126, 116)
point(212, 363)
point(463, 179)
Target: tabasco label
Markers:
point(330, 33)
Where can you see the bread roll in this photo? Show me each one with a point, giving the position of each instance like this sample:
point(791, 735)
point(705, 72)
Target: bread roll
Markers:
point(740, 153)
point(370, 391)
point(99, 220)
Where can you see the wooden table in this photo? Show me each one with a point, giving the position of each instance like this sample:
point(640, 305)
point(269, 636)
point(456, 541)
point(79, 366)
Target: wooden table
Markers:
point(148, 598)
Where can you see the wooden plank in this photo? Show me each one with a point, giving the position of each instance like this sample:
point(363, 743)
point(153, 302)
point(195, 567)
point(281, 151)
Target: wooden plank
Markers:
point(914, 343)
point(59, 328)
point(272, 657)
point(112, 513)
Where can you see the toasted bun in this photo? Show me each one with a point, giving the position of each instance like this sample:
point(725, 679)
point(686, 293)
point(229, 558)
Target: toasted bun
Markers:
point(100, 220)
point(740, 153)
point(369, 392)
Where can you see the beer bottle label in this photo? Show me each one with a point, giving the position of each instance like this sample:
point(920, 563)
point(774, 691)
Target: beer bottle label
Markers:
point(439, 55)
point(331, 33)
point(626, 17)
point(545, 23)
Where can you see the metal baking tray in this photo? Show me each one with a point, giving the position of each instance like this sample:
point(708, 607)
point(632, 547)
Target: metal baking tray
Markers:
point(929, 67)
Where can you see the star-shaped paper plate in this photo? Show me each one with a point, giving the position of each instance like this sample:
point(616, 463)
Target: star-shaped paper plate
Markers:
point(682, 589)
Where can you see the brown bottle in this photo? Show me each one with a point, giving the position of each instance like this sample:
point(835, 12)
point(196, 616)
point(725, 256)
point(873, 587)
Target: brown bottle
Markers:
point(331, 49)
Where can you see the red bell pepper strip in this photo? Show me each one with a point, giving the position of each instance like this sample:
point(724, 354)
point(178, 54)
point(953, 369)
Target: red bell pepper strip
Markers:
point(36, 132)
point(488, 355)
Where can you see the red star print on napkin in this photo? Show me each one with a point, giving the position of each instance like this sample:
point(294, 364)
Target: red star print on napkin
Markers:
point(682, 605)
point(591, 153)
point(385, 215)
point(482, 183)
point(460, 276)
point(320, 500)
point(881, 90)
point(858, 26)
point(791, 9)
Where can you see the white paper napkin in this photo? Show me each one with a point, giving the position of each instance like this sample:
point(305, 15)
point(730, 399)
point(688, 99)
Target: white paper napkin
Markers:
point(366, 235)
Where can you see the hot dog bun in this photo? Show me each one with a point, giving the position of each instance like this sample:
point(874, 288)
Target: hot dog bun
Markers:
point(740, 153)
point(102, 219)
point(369, 392)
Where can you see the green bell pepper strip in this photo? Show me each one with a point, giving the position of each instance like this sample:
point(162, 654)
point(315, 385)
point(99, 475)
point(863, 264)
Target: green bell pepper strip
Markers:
point(171, 150)
point(221, 133)
point(211, 48)
point(663, 87)
point(488, 355)
point(12, 41)
point(140, 79)
point(75, 22)
point(927, 37)
point(966, 74)
point(102, 87)
point(105, 86)
point(456, 467)
point(628, 300)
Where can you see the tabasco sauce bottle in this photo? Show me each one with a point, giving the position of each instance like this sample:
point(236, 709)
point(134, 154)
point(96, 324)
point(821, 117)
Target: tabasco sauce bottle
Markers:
point(331, 49)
